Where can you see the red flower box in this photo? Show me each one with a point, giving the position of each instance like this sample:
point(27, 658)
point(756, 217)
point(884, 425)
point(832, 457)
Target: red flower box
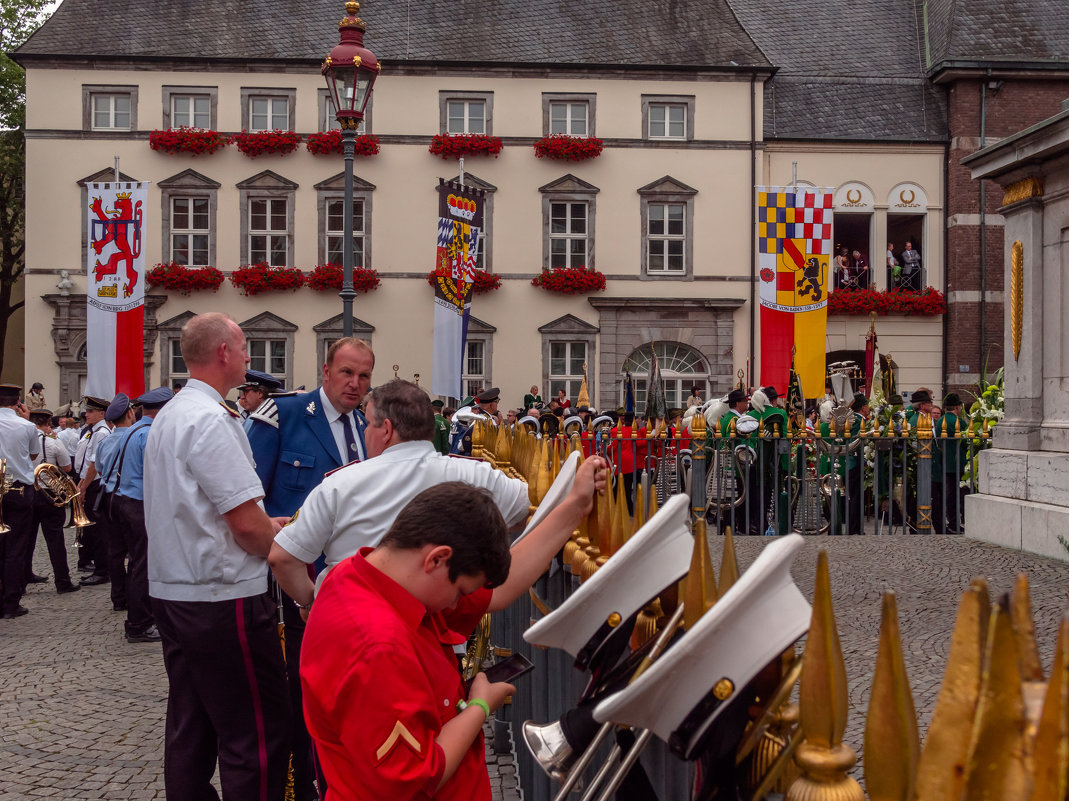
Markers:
point(570, 280)
point(195, 141)
point(326, 277)
point(454, 146)
point(926, 303)
point(568, 148)
point(484, 281)
point(261, 142)
point(252, 279)
point(182, 279)
point(330, 142)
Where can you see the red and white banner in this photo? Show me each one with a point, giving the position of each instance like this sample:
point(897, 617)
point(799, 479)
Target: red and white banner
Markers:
point(116, 290)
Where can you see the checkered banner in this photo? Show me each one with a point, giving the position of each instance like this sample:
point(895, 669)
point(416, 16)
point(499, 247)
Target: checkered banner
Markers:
point(460, 221)
point(794, 246)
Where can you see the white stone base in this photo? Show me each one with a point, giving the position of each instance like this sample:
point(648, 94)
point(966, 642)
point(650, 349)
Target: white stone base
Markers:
point(1014, 523)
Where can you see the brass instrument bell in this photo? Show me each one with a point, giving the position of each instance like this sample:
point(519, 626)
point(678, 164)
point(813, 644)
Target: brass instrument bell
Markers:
point(61, 490)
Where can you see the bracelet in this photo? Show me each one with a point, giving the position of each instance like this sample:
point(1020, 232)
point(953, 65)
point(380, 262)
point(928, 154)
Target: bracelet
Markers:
point(304, 607)
point(479, 702)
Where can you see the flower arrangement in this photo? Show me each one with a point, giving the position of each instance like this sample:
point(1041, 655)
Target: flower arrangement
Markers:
point(453, 146)
point(568, 148)
point(195, 141)
point(252, 279)
point(182, 279)
point(329, 142)
point(484, 281)
point(326, 277)
point(570, 280)
point(260, 142)
point(927, 302)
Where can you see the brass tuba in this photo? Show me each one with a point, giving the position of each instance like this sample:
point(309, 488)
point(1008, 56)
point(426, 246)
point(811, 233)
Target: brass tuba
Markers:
point(61, 490)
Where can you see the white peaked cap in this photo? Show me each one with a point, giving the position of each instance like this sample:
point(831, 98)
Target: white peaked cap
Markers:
point(655, 556)
point(463, 415)
point(556, 493)
point(756, 620)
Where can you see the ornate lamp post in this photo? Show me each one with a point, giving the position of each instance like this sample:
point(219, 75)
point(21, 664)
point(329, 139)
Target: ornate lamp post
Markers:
point(350, 70)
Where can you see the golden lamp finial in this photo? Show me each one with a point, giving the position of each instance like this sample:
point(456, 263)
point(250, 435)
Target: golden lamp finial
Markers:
point(700, 593)
point(729, 565)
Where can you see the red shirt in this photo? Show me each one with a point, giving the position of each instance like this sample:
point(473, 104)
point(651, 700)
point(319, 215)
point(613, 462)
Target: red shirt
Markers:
point(628, 455)
point(380, 679)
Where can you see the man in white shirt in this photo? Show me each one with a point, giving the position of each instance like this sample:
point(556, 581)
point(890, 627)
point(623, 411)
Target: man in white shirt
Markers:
point(355, 506)
point(19, 446)
point(95, 538)
point(45, 513)
point(208, 539)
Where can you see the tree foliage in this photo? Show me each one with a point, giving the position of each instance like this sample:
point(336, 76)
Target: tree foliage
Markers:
point(18, 19)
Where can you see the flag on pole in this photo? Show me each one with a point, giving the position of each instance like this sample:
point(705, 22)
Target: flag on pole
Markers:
point(795, 398)
point(115, 296)
point(656, 406)
point(794, 246)
point(460, 222)
point(629, 393)
point(872, 356)
point(584, 391)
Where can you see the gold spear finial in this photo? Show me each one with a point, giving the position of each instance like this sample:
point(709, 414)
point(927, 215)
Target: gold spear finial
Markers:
point(892, 744)
point(823, 757)
point(997, 765)
point(941, 770)
point(700, 593)
point(729, 565)
point(1024, 630)
point(1051, 760)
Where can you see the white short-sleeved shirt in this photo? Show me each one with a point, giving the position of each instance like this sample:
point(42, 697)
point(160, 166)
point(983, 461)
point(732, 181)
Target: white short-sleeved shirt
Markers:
point(18, 444)
point(198, 466)
point(52, 451)
point(69, 438)
point(87, 455)
point(355, 506)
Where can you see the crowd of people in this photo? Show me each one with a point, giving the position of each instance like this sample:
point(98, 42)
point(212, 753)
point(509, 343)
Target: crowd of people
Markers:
point(852, 270)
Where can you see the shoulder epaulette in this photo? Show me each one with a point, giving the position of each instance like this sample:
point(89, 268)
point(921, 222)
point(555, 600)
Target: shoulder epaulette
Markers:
point(266, 412)
point(462, 456)
point(229, 411)
point(336, 469)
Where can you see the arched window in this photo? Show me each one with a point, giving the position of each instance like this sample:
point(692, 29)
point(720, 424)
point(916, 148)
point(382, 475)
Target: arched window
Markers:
point(681, 366)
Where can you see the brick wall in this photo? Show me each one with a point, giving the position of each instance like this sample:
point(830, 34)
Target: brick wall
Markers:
point(1016, 105)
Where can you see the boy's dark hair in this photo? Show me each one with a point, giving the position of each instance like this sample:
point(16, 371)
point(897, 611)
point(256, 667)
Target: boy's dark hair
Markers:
point(406, 406)
point(463, 517)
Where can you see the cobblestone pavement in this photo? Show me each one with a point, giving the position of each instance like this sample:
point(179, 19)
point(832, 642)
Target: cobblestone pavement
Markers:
point(81, 710)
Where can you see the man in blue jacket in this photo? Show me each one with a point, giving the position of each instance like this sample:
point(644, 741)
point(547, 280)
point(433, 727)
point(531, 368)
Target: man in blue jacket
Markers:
point(296, 440)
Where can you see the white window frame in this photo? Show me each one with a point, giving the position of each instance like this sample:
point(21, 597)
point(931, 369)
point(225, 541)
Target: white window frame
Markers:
point(466, 98)
point(250, 95)
point(569, 124)
point(192, 117)
point(569, 101)
point(654, 105)
point(270, 233)
point(174, 358)
point(475, 353)
point(569, 379)
point(568, 236)
point(667, 192)
point(92, 96)
point(263, 351)
point(191, 231)
point(666, 238)
point(359, 230)
point(193, 93)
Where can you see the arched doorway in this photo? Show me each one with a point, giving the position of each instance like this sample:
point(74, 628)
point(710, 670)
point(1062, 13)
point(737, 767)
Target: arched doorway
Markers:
point(682, 367)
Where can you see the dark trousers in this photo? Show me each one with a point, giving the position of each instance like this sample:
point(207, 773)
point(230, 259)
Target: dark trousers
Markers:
point(51, 518)
point(95, 537)
point(855, 497)
point(18, 515)
point(304, 772)
point(128, 525)
point(228, 699)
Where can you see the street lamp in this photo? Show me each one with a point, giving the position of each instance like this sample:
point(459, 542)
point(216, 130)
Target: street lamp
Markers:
point(350, 70)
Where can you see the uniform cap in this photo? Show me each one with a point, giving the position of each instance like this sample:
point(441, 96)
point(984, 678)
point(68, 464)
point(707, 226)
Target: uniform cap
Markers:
point(921, 396)
point(437, 404)
point(118, 406)
point(859, 401)
point(771, 393)
point(488, 395)
point(46, 413)
point(953, 399)
point(895, 400)
point(37, 385)
point(256, 378)
point(155, 397)
point(9, 393)
point(96, 404)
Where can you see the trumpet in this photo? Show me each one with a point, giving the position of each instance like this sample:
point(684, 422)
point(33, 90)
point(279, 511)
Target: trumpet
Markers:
point(61, 490)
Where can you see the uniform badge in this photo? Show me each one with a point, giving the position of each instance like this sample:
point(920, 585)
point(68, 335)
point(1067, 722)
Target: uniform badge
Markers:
point(399, 733)
point(311, 407)
point(229, 411)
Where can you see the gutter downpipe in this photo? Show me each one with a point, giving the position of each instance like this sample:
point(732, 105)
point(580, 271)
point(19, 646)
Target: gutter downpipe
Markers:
point(982, 339)
point(946, 268)
point(753, 228)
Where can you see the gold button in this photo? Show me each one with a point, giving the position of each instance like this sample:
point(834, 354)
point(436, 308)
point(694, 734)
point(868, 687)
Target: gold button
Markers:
point(723, 689)
point(614, 620)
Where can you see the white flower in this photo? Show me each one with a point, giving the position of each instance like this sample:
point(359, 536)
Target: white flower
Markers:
point(311, 407)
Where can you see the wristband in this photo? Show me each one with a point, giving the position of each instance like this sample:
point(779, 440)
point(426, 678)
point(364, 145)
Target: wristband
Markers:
point(479, 702)
point(305, 607)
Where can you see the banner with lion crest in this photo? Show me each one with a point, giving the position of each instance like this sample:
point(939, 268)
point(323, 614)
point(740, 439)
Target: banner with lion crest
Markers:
point(794, 247)
point(115, 293)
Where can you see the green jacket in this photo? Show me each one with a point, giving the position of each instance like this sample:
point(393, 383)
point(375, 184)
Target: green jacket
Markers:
point(847, 461)
point(441, 434)
point(953, 449)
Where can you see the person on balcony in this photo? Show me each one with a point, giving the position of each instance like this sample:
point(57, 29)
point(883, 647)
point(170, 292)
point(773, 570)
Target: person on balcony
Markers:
point(911, 268)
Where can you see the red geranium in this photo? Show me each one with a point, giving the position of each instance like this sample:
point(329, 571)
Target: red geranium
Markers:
point(484, 281)
point(326, 277)
point(926, 303)
point(568, 148)
point(195, 141)
point(454, 146)
point(260, 142)
point(570, 280)
point(328, 142)
point(252, 279)
point(182, 279)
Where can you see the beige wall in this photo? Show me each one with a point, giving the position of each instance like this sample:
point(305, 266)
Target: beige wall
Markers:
point(406, 113)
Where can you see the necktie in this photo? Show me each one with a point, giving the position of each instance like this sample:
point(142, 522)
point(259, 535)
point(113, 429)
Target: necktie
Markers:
point(350, 440)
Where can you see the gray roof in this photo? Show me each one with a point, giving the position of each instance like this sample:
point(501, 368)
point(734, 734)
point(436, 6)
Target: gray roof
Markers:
point(672, 33)
point(1027, 32)
point(846, 70)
